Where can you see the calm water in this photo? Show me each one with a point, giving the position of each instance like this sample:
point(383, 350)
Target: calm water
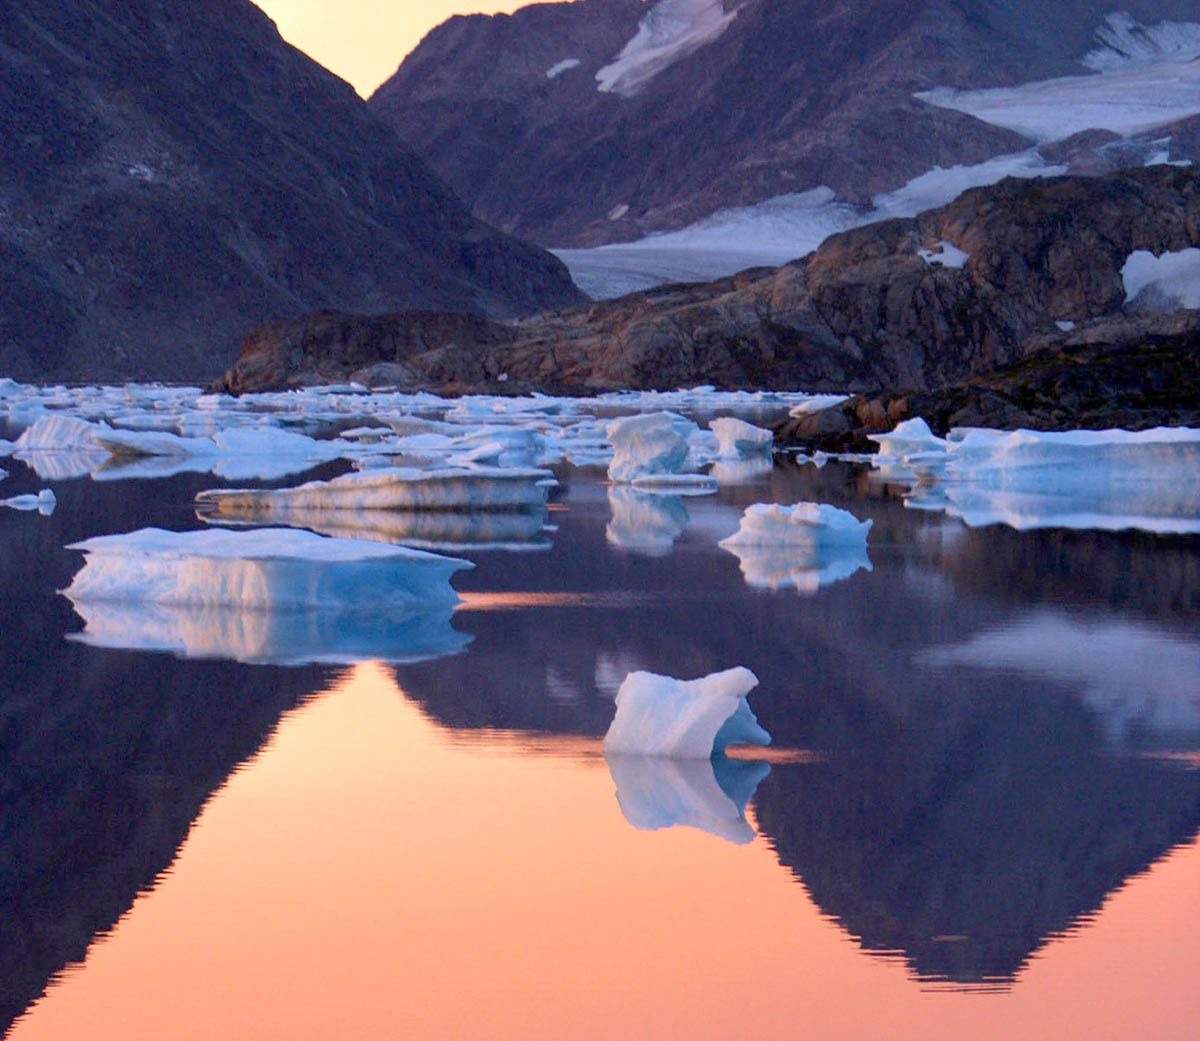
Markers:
point(978, 818)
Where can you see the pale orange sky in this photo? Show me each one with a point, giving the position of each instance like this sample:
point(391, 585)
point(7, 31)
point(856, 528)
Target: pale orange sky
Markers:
point(364, 41)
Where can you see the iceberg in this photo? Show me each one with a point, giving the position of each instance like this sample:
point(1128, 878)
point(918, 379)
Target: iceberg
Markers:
point(911, 437)
point(737, 439)
point(711, 795)
point(684, 719)
point(649, 444)
point(806, 524)
point(43, 501)
point(269, 569)
point(396, 488)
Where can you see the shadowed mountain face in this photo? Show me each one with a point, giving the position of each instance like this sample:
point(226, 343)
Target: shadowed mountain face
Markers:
point(172, 174)
point(784, 96)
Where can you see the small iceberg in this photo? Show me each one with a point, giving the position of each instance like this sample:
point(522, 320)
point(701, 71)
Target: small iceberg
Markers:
point(647, 445)
point(684, 719)
point(265, 569)
point(43, 501)
point(396, 488)
point(711, 795)
point(737, 439)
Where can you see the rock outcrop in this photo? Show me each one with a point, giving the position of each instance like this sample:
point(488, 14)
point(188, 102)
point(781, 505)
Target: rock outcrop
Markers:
point(782, 96)
point(171, 174)
point(917, 305)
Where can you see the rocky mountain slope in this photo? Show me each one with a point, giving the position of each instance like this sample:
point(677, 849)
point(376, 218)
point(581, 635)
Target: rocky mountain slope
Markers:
point(600, 121)
point(172, 174)
point(1002, 274)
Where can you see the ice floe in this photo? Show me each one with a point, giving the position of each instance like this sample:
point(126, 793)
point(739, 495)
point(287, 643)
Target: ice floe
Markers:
point(396, 488)
point(668, 32)
point(737, 439)
point(1144, 77)
point(801, 524)
point(44, 502)
point(655, 792)
point(684, 719)
point(1103, 479)
point(1165, 282)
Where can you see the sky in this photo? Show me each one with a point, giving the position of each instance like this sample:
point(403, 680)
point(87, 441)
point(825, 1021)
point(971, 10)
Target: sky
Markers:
point(364, 41)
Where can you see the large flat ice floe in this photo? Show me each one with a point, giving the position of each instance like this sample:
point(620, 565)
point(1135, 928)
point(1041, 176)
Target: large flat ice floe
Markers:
point(1100, 479)
point(268, 568)
point(270, 595)
point(711, 795)
point(1144, 77)
point(395, 488)
point(803, 547)
point(684, 719)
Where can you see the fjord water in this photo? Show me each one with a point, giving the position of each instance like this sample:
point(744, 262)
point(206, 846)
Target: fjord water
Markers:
point(978, 818)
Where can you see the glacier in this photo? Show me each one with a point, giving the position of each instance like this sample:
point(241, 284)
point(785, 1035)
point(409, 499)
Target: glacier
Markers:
point(711, 795)
point(684, 719)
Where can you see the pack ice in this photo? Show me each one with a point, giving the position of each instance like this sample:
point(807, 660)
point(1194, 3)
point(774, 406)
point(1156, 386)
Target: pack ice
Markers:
point(711, 795)
point(396, 488)
point(684, 719)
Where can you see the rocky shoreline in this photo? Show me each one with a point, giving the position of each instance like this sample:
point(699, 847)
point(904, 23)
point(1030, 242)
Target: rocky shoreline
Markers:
point(1007, 307)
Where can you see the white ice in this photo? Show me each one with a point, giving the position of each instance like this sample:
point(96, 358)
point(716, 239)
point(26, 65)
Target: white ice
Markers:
point(802, 524)
point(1145, 77)
point(946, 254)
point(711, 795)
point(648, 444)
point(396, 488)
point(44, 502)
point(737, 439)
point(1134, 675)
point(668, 32)
point(559, 68)
point(776, 231)
point(684, 719)
point(265, 569)
point(1162, 283)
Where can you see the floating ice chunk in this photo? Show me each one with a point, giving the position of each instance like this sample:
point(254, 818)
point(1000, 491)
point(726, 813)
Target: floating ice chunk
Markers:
point(684, 719)
point(642, 523)
point(653, 443)
point(440, 531)
point(260, 637)
point(946, 254)
point(817, 403)
point(737, 439)
point(559, 68)
point(43, 501)
point(675, 484)
point(912, 437)
point(668, 32)
point(56, 431)
point(1162, 283)
point(396, 488)
point(654, 792)
point(266, 569)
point(804, 524)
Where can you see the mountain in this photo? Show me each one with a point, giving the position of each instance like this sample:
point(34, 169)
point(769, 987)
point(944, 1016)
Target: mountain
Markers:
point(600, 121)
point(171, 174)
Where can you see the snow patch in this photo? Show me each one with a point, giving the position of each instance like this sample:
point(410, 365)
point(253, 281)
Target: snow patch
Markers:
point(1162, 283)
point(667, 33)
point(682, 719)
point(946, 254)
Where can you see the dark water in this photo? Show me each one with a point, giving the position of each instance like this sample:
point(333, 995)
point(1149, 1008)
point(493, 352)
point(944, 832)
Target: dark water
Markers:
point(983, 738)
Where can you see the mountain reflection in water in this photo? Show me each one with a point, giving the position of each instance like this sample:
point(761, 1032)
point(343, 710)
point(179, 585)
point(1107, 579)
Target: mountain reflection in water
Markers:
point(967, 800)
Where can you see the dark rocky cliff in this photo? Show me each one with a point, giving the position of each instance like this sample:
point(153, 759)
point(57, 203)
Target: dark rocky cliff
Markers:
point(792, 95)
point(171, 174)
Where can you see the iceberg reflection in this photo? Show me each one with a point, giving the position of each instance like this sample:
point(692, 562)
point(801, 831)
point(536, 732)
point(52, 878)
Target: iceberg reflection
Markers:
point(710, 794)
point(803, 568)
point(643, 522)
